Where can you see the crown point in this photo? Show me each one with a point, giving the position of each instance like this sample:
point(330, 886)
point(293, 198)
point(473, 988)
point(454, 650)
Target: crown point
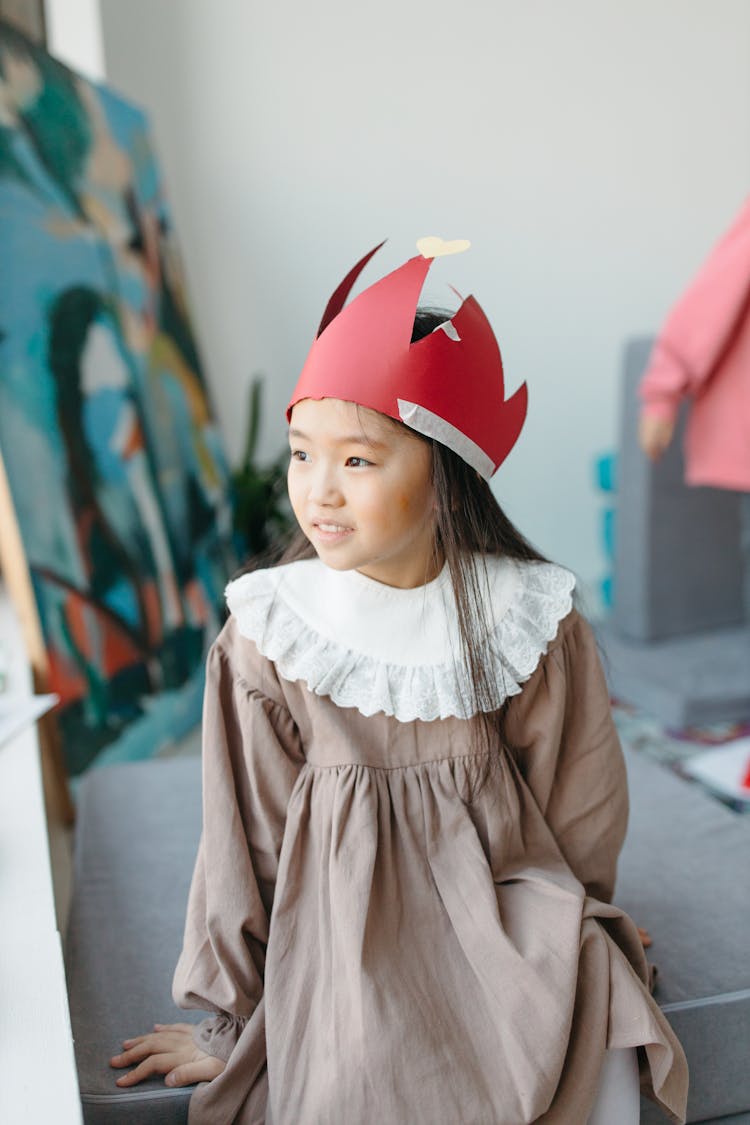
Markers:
point(433, 247)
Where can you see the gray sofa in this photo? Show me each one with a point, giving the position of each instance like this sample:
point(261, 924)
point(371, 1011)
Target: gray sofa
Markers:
point(683, 874)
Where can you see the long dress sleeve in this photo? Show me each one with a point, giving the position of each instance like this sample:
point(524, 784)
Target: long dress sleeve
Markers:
point(569, 752)
point(570, 755)
point(251, 758)
point(701, 326)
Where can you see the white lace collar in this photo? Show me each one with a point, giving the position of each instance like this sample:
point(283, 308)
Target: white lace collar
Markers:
point(379, 648)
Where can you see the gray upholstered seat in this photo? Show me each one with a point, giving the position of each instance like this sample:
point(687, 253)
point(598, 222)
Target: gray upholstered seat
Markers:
point(683, 875)
point(136, 838)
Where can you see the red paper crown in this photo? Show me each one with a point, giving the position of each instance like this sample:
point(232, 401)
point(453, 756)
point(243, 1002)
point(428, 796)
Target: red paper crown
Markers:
point(448, 385)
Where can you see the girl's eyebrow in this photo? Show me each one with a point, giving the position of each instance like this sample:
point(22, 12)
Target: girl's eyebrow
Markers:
point(348, 439)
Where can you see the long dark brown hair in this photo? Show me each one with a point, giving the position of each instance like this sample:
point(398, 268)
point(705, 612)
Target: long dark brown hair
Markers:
point(469, 526)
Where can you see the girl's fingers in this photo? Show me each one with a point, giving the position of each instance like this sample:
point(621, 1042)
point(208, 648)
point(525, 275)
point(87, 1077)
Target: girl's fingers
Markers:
point(157, 1027)
point(204, 1070)
point(156, 1043)
point(154, 1064)
point(143, 1048)
point(166, 1050)
point(132, 1055)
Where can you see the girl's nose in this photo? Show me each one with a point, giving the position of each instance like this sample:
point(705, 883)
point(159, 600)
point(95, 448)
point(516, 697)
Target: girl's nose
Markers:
point(325, 487)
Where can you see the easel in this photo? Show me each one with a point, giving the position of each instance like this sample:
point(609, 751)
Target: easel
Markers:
point(15, 571)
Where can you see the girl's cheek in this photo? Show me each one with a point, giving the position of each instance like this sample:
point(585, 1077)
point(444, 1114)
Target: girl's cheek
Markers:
point(382, 510)
point(293, 489)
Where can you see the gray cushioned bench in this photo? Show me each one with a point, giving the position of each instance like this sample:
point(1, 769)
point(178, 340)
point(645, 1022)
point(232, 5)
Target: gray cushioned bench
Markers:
point(683, 875)
point(136, 836)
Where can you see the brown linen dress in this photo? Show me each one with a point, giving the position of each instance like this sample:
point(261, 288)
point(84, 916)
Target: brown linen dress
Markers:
point(378, 947)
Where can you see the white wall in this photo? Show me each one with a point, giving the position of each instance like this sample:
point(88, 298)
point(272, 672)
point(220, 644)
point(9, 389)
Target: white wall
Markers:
point(592, 152)
point(74, 35)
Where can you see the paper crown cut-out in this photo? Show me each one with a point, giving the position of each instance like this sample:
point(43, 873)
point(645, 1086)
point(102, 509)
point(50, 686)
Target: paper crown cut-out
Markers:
point(448, 385)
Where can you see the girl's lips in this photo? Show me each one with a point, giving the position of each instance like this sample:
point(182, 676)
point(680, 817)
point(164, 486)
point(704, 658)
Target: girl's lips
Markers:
point(325, 531)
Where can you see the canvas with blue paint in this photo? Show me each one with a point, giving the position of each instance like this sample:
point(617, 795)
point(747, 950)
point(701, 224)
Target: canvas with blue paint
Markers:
point(115, 465)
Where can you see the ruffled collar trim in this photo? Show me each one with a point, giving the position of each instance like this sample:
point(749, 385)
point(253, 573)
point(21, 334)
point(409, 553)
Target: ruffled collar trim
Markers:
point(382, 649)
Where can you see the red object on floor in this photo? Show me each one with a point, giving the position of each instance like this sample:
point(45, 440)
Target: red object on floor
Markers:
point(745, 783)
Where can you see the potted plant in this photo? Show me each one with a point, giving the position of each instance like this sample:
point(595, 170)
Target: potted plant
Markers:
point(262, 513)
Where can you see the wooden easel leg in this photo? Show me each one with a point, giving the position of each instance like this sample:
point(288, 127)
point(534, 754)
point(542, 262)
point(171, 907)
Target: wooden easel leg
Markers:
point(15, 571)
point(57, 796)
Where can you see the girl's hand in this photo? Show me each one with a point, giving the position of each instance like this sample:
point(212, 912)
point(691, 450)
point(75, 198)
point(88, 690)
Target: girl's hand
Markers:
point(170, 1050)
point(654, 435)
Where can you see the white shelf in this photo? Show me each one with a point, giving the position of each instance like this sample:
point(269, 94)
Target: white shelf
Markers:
point(36, 1043)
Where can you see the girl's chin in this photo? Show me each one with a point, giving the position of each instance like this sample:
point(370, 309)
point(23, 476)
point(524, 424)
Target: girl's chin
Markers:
point(332, 554)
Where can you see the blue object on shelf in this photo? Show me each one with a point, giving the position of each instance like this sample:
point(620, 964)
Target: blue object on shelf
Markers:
point(608, 532)
point(606, 472)
point(605, 475)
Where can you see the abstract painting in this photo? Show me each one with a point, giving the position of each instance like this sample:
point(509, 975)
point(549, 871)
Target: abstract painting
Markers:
point(107, 437)
point(27, 16)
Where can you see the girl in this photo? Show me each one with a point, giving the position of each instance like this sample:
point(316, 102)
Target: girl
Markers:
point(414, 794)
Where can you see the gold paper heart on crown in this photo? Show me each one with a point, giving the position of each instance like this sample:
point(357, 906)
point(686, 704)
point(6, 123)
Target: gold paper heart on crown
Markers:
point(433, 247)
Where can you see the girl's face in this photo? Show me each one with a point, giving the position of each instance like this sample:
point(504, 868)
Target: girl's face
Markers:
point(361, 490)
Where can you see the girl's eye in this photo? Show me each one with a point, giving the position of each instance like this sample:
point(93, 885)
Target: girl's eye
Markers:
point(298, 455)
point(360, 460)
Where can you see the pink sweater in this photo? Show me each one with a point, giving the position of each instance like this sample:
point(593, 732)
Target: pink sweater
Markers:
point(703, 351)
